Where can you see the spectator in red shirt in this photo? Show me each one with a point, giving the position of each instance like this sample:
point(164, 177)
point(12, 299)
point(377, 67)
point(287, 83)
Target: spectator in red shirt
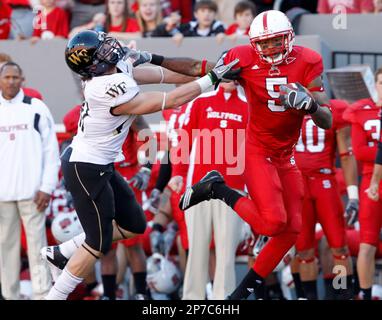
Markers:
point(116, 21)
point(348, 6)
point(5, 20)
point(50, 22)
point(244, 13)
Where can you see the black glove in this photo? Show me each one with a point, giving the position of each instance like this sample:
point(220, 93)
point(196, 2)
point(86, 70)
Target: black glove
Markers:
point(218, 73)
point(295, 96)
point(231, 74)
point(141, 179)
point(137, 57)
point(351, 211)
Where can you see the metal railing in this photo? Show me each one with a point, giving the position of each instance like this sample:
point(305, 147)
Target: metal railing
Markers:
point(345, 58)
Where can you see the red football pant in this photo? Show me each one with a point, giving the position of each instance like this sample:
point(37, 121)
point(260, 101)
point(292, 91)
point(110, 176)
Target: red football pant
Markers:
point(370, 214)
point(276, 187)
point(322, 203)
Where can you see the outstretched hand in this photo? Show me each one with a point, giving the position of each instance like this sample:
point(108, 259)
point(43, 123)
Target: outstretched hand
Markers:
point(221, 71)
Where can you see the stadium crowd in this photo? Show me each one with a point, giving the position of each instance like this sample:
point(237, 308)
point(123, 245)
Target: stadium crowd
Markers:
point(190, 255)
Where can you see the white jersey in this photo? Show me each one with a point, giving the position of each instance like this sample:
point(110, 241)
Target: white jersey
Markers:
point(100, 134)
point(29, 156)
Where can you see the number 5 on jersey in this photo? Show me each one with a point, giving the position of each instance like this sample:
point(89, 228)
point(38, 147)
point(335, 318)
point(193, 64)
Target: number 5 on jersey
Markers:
point(271, 83)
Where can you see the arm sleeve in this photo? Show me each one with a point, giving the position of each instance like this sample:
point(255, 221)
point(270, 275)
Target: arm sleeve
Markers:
point(314, 68)
point(51, 161)
point(164, 173)
point(361, 150)
point(338, 108)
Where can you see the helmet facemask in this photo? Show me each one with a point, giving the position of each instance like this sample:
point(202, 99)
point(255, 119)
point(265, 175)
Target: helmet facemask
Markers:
point(279, 50)
point(106, 56)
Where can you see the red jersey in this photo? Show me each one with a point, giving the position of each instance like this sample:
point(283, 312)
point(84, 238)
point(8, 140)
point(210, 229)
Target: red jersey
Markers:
point(215, 127)
point(56, 21)
point(364, 115)
point(131, 26)
point(351, 6)
point(130, 150)
point(316, 149)
point(32, 93)
point(174, 119)
point(71, 119)
point(271, 126)
point(233, 29)
point(5, 20)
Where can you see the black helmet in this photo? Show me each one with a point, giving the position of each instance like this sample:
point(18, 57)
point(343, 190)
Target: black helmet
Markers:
point(90, 53)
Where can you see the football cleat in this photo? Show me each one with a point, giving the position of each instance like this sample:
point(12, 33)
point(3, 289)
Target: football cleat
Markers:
point(55, 259)
point(200, 191)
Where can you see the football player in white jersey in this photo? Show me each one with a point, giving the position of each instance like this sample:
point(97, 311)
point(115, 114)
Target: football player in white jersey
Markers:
point(104, 202)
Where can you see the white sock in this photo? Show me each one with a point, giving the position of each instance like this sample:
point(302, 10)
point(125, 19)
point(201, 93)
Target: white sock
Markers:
point(69, 247)
point(64, 285)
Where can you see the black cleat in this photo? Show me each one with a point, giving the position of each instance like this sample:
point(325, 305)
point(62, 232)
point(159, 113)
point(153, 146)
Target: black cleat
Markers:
point(55, 259)
point(200, 191)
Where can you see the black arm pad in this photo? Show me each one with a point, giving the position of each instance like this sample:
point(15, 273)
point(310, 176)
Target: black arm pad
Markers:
point(164, 173)
point(157, 59)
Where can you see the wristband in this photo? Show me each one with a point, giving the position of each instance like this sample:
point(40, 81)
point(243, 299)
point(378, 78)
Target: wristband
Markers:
point(352, 192)
point(204, 82)
point(156, 59)
point(313, 108)
point(203, 71)
point(345, 154)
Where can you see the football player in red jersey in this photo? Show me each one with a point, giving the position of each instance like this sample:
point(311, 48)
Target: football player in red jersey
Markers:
point(315, 157)
point(366, 127)
point(282, 83)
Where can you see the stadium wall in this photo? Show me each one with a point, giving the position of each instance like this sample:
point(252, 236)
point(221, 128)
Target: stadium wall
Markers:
point(45, 69)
